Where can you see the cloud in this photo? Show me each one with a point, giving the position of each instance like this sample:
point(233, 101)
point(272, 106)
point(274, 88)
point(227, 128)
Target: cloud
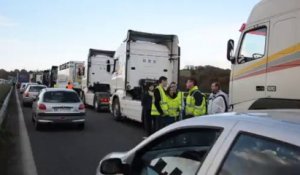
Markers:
point(6, 22)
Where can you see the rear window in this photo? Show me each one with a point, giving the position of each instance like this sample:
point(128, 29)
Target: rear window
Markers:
point(61, 97)
point(36, 88)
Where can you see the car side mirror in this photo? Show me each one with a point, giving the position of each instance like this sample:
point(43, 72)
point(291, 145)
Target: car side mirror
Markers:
point(230, 50)
point(112, 166)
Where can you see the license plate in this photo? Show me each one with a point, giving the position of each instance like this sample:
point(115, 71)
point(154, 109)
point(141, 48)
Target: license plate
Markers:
point(61, 109)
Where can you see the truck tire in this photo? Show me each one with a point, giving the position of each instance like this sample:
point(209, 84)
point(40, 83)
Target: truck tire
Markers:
point(116, 110)
point(83, 98)
point(96, 105)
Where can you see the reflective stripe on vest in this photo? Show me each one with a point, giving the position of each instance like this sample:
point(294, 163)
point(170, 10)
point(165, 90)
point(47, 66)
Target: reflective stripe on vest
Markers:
point(163, 102)
point(174, 105)
point(191, 108)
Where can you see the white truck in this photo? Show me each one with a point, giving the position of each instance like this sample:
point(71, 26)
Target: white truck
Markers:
point(96, 82)
point(266, 64)
point(72, 72)
point(142, 58)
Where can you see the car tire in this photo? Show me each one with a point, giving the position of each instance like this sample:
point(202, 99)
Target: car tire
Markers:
point(32, 118)
point(24, 104)
point(116, 110)
point(37, 125)
point(81, 126)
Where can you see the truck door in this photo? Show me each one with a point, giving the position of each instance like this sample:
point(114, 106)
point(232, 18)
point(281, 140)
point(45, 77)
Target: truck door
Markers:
point(248, 76)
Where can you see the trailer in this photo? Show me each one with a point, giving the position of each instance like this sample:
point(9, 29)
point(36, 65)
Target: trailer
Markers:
point(96, 82)
point(71, 72)
point(141, 59)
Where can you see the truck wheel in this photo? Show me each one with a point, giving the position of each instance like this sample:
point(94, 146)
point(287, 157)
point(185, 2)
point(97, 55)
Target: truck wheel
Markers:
point(116, 111)
point(83, 98)
point(96, 105)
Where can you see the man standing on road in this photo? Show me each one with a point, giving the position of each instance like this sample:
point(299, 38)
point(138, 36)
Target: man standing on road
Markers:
point(218, 100)
point(70, 85)
point(159, 107)
point(195, 101)
point(147, 99)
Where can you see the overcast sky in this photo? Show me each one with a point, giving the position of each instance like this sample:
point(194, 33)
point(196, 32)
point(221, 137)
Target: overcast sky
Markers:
point(36, 34)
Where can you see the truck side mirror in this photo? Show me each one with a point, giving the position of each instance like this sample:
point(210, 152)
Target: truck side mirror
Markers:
point(108, 66)
point(230, 49)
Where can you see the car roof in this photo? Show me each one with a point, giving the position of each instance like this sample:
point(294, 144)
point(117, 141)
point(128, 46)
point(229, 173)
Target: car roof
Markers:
point(58, 89)
point(38, 85)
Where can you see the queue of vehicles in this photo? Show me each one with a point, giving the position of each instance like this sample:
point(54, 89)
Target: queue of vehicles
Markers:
point(267, 57)
point(261, 137)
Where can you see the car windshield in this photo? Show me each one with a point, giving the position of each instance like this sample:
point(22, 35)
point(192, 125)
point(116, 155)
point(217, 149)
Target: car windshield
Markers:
point(61, 97)
point(36, 88)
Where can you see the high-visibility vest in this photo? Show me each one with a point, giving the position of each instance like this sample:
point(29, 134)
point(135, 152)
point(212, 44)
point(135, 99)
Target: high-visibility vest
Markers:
point(174, 105)
point(191, 108)
point(70, 86)
point(163, 102)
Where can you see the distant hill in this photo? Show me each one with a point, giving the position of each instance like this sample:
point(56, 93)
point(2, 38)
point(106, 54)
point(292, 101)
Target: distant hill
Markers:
point(205, 75)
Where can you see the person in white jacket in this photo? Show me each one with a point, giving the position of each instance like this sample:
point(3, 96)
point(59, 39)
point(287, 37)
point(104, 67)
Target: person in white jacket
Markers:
point(218, 100)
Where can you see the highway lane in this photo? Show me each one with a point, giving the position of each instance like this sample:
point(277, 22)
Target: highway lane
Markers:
point(64, 150)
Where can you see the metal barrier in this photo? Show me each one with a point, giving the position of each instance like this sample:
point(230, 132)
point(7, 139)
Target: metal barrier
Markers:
point(3, 109)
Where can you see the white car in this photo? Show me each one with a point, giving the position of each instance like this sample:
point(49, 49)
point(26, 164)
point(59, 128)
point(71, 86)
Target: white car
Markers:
point(58, 106)
point(31, 93)
point(260, 143)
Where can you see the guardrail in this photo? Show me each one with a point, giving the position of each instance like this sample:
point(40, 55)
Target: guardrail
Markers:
point(4, 106)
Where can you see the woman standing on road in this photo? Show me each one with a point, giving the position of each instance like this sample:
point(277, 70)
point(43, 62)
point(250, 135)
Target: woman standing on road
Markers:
point(147, 103)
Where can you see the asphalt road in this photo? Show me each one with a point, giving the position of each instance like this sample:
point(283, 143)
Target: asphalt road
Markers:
point(64, 150)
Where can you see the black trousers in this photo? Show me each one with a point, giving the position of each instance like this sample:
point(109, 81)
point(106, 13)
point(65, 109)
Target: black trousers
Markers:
point(149, 121)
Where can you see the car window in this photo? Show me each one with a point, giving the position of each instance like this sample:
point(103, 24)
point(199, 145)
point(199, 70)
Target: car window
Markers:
point(261, 156)
point(181, 152)
point(36, 88)
point(253, 45)
point(61, 97)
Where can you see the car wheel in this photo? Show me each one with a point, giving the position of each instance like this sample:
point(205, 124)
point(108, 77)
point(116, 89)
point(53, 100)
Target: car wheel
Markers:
point(37, 125)
point(81, 126)
point(116, 109)
point(24, 104)
point(96, 105)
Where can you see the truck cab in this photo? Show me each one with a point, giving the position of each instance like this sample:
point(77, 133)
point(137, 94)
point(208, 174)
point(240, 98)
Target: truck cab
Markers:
point(141, 59)
point(96, 82)
point(266, 62)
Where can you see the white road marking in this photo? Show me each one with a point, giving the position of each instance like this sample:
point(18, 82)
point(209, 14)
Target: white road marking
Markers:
point(28, 164)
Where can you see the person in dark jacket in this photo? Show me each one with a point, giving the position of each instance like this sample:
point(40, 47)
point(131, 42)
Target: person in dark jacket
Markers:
point(147, 103)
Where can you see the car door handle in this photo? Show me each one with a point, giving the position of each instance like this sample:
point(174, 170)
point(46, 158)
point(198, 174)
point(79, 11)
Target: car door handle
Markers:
point(260, 88)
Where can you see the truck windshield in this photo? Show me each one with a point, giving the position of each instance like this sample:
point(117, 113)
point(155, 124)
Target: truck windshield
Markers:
point(61, 97)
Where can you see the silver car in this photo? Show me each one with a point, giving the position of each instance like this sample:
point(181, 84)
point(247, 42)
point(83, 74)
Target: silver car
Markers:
point(55, 105)
point(31, 93)
point(24, 86)
point(260, 143)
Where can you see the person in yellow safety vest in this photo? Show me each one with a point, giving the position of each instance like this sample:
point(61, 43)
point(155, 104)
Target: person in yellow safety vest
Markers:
point(174, 102)
point(55, 85)
point(70, 85)
point(159, 108)
point(195, 101)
